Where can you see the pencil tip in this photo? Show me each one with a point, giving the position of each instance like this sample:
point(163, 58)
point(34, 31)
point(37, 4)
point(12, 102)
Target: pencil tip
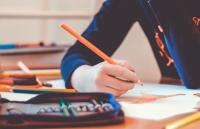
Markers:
point(140, 82)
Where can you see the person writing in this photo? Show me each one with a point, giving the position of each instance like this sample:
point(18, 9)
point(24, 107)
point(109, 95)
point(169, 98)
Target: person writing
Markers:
point(86, 72)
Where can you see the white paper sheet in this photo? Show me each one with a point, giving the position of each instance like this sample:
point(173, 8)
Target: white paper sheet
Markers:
point(162, 108)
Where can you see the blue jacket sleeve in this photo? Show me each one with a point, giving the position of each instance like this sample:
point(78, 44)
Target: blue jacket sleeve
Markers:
point(106, 31)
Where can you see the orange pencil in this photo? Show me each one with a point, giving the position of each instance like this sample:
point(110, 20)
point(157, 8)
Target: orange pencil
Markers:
point(7, 88)
point(90, 46)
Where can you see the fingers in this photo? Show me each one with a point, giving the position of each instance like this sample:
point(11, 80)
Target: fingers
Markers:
point(117, 83)
point(130, 67)
point(104, 77)
point(117, 87)
point(126, 64)
point(120, 72)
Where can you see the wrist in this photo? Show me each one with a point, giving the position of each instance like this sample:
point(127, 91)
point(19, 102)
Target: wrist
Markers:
point(77, 78)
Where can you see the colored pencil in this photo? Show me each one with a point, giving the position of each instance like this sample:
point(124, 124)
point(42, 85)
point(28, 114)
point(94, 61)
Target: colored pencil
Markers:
point(89, 45)
point(184, 121)
point(4, 88)
point(41, 91)
point(24, 67)
point(49, 72)
point(27, 70)
point(69, 107)
point(97, 106)
point(64, 107)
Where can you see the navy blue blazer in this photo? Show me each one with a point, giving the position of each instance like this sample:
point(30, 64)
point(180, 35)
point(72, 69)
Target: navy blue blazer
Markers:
point(107, 31)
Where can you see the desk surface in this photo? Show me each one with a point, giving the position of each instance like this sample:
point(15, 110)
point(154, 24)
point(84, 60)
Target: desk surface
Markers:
point(133, 122)
point(138, 123)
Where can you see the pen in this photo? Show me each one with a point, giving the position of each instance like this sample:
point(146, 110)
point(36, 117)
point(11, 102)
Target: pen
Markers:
point(90, 46)
point(184, 121)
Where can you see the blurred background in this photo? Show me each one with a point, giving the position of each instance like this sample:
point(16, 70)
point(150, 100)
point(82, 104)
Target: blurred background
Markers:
point(39, 20)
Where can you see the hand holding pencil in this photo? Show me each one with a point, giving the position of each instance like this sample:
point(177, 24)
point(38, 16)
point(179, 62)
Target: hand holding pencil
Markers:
point(103, 77)
point(113, 76)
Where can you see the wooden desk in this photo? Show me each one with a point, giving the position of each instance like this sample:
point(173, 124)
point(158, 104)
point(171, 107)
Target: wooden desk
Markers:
point(135, 123)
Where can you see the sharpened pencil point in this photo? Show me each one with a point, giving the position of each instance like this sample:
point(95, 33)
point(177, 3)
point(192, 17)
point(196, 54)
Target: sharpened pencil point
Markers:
point(140, 82)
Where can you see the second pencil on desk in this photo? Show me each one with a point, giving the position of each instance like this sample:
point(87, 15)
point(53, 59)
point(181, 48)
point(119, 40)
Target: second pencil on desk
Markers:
point(7, 88)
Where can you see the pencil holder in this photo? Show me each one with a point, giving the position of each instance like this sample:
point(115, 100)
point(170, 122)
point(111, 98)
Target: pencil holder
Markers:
point(61, 110)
